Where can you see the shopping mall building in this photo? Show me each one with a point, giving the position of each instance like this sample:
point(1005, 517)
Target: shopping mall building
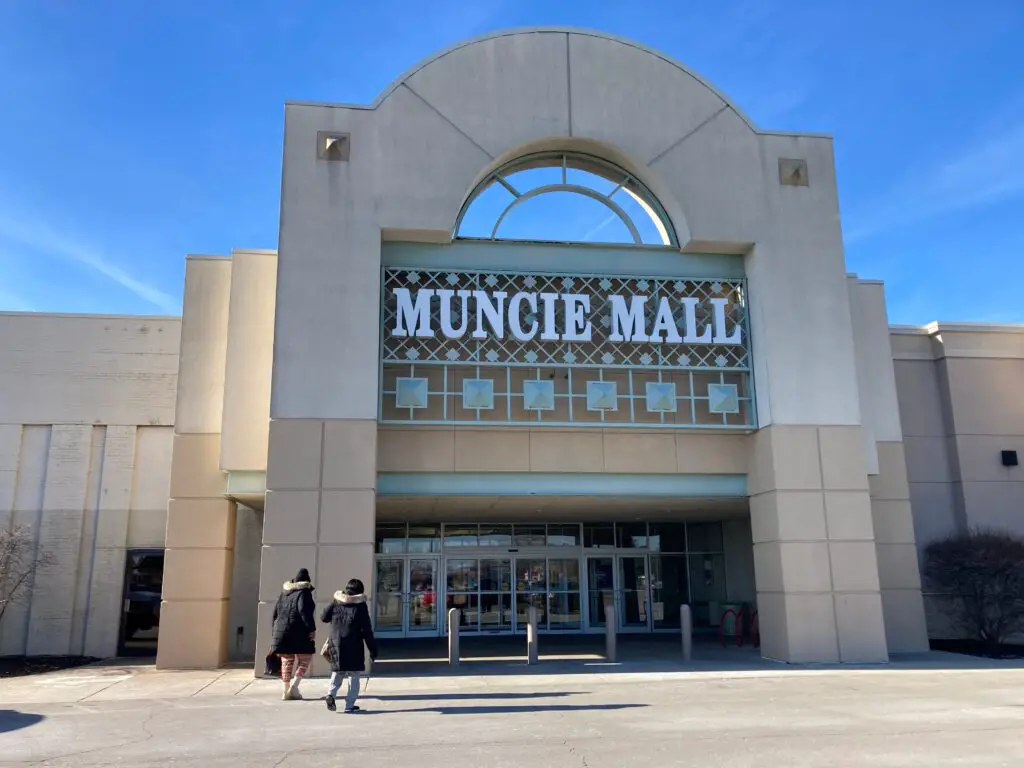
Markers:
point(430, 388)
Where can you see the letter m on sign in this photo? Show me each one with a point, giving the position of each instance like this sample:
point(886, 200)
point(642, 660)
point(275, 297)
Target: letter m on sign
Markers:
point(412, 316)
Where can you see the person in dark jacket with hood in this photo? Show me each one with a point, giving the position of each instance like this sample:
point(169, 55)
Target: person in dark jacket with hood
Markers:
point(350, 628)
point(294, 637)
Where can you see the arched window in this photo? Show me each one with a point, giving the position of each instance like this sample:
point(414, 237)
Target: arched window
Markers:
point(564, 197)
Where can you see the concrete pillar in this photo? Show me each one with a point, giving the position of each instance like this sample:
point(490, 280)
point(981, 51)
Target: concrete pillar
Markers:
point(610, 629)
point(818, 592)
point(320, 512)
point(899, 571)
point(200, 520)
point(245, 422)
point(686, 630)
point(532, 646)
point(454, 616)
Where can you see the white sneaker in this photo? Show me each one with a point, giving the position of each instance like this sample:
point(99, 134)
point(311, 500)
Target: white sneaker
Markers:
point(287, 695)
point(294, 691)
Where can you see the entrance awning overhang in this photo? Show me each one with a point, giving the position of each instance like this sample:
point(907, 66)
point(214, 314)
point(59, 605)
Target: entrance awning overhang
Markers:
point(560, 484)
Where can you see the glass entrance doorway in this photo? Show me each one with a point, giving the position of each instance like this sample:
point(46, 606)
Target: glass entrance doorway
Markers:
point(405, 603)
point(140, 616)
point(493, 573)
point(494, 594)
point(634, 594)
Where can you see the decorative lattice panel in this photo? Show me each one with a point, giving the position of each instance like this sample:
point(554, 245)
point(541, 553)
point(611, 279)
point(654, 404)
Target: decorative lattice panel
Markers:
point(600, 350)
point(503, 380)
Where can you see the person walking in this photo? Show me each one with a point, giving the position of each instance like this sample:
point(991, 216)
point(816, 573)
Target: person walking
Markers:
point(294, 637)
point(350, 629)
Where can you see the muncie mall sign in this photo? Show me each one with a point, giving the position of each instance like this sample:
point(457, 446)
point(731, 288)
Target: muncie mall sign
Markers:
point(527, 316)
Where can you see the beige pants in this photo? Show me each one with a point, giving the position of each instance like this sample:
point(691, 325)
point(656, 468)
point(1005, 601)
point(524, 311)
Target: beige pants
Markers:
point(294, 665)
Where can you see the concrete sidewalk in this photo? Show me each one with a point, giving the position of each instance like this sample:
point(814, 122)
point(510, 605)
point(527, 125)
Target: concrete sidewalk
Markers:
point(924, 712)
point(130, 680)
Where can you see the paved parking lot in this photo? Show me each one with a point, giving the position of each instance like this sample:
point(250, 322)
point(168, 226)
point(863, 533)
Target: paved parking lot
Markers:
point(925, 716)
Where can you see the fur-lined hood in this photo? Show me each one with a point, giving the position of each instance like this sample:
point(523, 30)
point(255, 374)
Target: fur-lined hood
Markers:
point(344, 599)
point(288, 586)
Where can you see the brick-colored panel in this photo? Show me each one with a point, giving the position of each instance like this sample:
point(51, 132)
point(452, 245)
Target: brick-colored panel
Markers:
point(843, 464)
point(417, 450)
point(291, 517)
point(293, 461)
point(640, 452)
point(788, 516)
point(861, 624)
point(192, 634)
point(350, 454)
point(492, 450)
point(849, 515)
point(566, 451)
point(197, 574)
point(195, 469)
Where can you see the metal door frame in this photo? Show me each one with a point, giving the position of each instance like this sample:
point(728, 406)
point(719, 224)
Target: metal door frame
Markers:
point(585, 588)
point(122, 649)
point(407, 625)
point(405, 595)
point(620, 594)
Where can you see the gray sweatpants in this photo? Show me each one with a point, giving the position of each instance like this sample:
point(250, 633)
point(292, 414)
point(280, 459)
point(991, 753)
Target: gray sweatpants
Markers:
point(353, 687)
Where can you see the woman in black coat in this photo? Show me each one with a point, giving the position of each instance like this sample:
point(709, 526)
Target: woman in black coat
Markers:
point(350, 628)
point(294, 637)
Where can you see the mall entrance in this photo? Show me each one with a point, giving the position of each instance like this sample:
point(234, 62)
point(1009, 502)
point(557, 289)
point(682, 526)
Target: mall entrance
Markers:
point(495, 572)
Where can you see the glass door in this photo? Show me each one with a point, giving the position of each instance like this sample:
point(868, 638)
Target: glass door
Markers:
point(496, 595)
point(600, 586)
point(421, 613)
point(634, 602)
point(140, 618)
point(481, 588)
point(531, 589)
point(389, 600)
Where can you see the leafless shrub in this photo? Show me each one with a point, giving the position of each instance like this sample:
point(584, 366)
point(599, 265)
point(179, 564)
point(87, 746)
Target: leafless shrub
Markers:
point(20, 561)
point(979, 578)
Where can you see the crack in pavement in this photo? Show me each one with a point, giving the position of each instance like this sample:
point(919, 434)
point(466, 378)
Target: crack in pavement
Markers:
point(131, 742)
point(577, 753)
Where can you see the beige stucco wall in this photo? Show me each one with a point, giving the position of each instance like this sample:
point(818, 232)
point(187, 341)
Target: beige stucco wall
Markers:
point(86, 408)
point(248, 361)
point(417, 152)
point(960, 405)
point(521, 449)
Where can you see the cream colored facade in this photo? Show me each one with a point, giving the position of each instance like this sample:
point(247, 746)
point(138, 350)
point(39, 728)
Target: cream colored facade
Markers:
point(867, 441)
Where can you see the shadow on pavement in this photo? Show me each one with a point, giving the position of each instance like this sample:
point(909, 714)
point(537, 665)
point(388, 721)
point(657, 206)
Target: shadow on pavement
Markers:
point(11, 720)
point(509, 709)
point(584, 655)
point(471, 696)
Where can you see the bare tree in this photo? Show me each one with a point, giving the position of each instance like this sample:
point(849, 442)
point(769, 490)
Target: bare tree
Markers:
point(979, 577)
point(19, 563)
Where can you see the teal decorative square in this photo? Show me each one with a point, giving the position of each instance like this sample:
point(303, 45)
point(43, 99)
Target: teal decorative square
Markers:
point(661, 397)
point(602, 396)
point(539, 395)
point(478, 393)
point(723, 398)
point(411, 393)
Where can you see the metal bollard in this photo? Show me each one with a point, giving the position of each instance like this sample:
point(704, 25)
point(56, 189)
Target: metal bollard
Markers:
point(454, 616)
point(532, 651)
point(610, 629)
point(686, 628)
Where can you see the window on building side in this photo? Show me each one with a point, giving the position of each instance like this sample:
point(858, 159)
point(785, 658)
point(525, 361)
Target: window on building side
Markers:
point(564, 197)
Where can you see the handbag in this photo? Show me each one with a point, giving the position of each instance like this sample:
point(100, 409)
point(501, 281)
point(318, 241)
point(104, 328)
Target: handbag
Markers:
point(273, 665)
point(325, 651)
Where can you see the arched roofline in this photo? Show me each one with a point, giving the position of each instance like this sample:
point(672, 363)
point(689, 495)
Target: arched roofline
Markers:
point(422, 64)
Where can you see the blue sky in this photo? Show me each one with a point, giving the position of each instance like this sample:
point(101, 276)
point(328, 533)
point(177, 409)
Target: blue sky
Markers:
point(135, 132)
